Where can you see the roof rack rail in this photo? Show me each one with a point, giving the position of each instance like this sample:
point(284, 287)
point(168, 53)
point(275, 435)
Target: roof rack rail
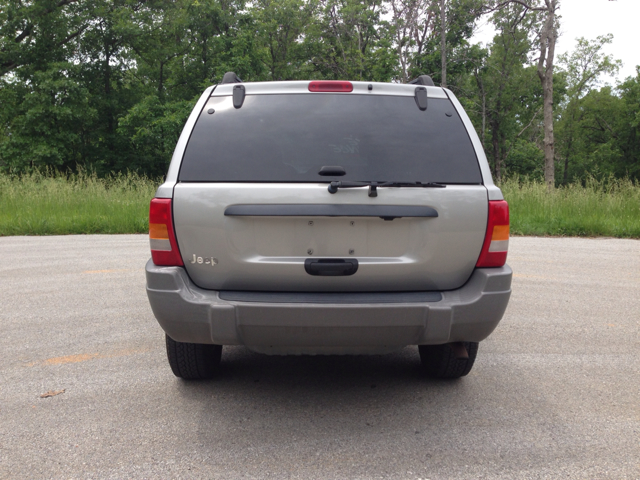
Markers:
point(423, 80)
point(230, 77)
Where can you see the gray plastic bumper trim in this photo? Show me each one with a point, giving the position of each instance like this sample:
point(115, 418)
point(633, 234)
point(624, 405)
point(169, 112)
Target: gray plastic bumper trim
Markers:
point(188, 313)
point(335, 298)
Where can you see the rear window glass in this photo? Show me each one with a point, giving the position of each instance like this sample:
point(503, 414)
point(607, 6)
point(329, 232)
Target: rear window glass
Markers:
point(288, 138)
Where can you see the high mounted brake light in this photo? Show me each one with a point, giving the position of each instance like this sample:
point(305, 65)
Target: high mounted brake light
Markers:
point(164, 248)
point(496, 240)
point(330, 86)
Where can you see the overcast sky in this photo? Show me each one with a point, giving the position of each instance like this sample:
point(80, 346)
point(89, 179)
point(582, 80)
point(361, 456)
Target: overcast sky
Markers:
point(591, 18)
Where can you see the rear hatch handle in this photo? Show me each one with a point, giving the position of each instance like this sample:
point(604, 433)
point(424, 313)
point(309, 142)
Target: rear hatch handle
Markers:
point(331, 267)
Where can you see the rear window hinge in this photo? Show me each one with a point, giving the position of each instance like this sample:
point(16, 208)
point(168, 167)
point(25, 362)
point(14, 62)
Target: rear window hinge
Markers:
point(238, 95)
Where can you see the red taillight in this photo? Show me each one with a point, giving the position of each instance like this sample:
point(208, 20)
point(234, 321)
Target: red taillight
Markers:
point(496, 240)
point(330, 86)
point(164, 248)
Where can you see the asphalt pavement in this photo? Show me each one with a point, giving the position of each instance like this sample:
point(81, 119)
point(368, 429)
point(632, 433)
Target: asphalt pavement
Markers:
point(554, 393)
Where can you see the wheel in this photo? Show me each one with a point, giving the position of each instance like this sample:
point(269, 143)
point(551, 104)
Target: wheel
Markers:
point(193, 361)
point(440, 361)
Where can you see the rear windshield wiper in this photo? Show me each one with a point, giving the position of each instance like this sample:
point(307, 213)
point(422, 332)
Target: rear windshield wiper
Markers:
point(373, 186)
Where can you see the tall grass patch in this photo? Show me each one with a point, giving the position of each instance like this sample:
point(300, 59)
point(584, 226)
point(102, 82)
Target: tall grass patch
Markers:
point(607, 207)
point(54, 203)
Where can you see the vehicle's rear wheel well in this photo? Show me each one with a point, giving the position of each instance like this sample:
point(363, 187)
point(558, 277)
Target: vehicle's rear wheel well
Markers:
point(193, 361)
point(443, 361)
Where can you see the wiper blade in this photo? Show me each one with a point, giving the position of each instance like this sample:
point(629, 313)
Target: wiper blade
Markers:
point(373, 186)
point(412, 184)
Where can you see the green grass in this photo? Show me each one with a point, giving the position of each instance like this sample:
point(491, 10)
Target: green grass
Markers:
point(59, 204)
point(609, 207)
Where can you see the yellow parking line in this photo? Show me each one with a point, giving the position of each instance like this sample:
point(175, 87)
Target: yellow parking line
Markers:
point(83, 357)
point(113, 270)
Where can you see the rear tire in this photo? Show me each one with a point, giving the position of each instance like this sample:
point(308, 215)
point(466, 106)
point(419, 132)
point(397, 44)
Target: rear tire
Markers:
point(193, 361)
point(439, 361)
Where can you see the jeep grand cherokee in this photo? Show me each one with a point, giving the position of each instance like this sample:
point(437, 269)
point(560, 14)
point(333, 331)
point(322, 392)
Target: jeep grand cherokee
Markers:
point(328, 217)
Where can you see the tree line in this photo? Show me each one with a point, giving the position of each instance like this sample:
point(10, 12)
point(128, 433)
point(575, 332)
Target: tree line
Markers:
point(108, 84)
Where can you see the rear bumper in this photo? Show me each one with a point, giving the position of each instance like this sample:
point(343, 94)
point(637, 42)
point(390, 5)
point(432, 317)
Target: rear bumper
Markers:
point(337, 323)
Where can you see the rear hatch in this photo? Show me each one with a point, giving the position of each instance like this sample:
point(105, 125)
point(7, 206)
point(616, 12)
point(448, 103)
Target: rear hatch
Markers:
point(251, 211)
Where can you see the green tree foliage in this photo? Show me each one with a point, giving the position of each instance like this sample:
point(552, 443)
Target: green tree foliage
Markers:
point(48, 119)
point(416, 27)
point(604, 132)
point(511, 95)
point(107, 85)
point(348, 39)
point(583, 69)
point(628, 130)
point(38, 32)
point(280, 26)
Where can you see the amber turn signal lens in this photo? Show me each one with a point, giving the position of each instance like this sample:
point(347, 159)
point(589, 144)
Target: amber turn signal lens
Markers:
point(496, 239)
point(500, 232)
point(159, 231)
point(162, 238)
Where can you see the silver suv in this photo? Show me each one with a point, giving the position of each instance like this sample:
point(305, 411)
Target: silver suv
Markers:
point(328, 217)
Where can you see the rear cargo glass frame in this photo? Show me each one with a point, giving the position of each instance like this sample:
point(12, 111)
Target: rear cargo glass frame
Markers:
point(441, 111)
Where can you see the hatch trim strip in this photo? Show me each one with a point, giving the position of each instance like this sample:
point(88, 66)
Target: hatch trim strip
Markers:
point(330, 210)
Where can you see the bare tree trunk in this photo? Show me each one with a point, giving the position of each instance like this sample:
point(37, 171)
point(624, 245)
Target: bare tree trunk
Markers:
point(483, 95)
point(416, 24)
point(443, 43)
point(495, 143)
point(548, 37)
point(483, 132)
point(161, 82)
point(107, 92)
point(565, 177)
